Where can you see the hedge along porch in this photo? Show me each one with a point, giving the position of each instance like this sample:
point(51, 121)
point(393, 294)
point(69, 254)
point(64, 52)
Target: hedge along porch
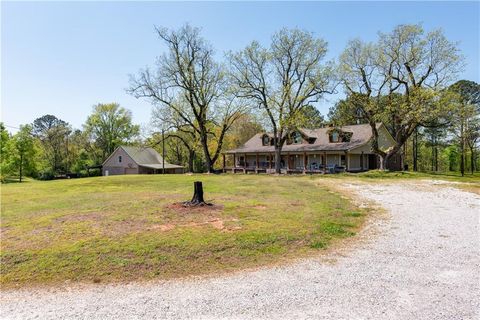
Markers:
point(323, 150)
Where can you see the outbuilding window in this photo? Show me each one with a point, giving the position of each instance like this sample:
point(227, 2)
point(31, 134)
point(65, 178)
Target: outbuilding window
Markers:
point(119, 159)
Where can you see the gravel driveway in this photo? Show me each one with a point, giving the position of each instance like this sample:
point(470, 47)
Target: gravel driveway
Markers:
point(421, 261)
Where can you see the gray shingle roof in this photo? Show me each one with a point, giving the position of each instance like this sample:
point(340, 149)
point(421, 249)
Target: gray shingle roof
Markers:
point(147, 157)
point(361, 134)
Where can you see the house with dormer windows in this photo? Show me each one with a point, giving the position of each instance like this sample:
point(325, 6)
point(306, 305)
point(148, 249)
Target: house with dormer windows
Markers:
point(322, 150)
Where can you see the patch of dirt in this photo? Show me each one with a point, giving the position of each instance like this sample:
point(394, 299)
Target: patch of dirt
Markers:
point(216, 223)
point(163, 227)
point(90, 216)
point(178, 207)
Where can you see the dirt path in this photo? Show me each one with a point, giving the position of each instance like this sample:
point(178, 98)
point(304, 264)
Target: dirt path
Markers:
point(421, 262)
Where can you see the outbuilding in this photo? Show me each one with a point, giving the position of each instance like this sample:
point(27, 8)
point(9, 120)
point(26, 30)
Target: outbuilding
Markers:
point(137, 160)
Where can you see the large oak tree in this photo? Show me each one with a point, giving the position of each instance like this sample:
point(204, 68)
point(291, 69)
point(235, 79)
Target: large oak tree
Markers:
point(192, 85)
point(410, 68)
point(282, 80)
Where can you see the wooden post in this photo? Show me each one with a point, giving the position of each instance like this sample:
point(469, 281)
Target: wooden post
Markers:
point(234, 161)
point(325, 162)
point(244, 161)
point(270, 158)
point(361, 161)
point(347, 162)
point(305, 162)
point(256, 161)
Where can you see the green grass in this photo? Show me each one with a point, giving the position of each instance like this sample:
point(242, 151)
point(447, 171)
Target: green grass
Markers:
point(124, 228)
point(449, 176)
point(469, 182)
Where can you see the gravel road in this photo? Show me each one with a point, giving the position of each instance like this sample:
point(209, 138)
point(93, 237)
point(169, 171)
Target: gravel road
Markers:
point(420, 261)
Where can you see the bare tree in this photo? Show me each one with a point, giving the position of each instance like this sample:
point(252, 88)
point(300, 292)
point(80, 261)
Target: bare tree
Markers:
point(177, 129)
point(408, 66)
point(282, 80)
point(189, 73)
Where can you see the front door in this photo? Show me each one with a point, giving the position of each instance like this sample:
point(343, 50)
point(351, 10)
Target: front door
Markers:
point(291, 162)
point(372, 161)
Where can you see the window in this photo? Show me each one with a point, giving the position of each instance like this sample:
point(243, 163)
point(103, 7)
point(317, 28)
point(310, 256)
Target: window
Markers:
point(119, 158)
point(340, 136)
point(266, 140)
point(297, 137)
point(334, 136)
point(347, 136)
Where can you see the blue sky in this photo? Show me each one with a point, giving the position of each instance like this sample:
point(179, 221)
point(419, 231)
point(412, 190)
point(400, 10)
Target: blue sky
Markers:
point(61, 58)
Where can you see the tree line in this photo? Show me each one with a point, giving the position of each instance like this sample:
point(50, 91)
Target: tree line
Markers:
point(203, 105)
point(49, 147)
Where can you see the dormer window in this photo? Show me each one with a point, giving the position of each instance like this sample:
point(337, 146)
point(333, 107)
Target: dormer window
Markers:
point(334, 136)
point(296, 137)
point(337, 135)
point(265, 140)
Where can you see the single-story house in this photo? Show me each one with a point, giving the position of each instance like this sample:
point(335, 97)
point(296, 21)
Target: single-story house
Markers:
point(137, 160)
point(329, 149)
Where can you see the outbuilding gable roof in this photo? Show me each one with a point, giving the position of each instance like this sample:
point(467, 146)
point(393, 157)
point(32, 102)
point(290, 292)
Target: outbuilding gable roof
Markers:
point(146, 157)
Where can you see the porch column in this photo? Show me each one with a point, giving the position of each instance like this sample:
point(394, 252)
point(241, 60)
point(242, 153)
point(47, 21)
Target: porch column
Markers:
point(305, 162)
point(347, 162)
point(270, 158)
point(256, 163)
point(288, 161)
point(244, 163)
point(234, 160)
point(324, 162)
point(361, 161)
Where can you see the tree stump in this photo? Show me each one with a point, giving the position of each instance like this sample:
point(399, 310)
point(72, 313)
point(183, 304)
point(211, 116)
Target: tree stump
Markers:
point(197, 199)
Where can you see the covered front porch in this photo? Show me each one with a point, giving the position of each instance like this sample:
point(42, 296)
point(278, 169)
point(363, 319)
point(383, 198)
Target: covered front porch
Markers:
point(295, 162)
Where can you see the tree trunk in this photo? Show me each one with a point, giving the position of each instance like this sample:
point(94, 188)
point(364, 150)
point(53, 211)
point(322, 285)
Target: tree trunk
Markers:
point(278, 158)
point(380, 162)
point(191, 157)
point(384, 162)
point(197, 199)
point(208, 161)
point(472, 160)
point(21, 166)
point(462, 150)
point(415, 150)
point(433, 156)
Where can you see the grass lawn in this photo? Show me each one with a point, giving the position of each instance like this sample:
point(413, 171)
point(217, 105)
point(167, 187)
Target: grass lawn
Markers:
point(469, 182)
point(448, 176)
point(124, 228)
